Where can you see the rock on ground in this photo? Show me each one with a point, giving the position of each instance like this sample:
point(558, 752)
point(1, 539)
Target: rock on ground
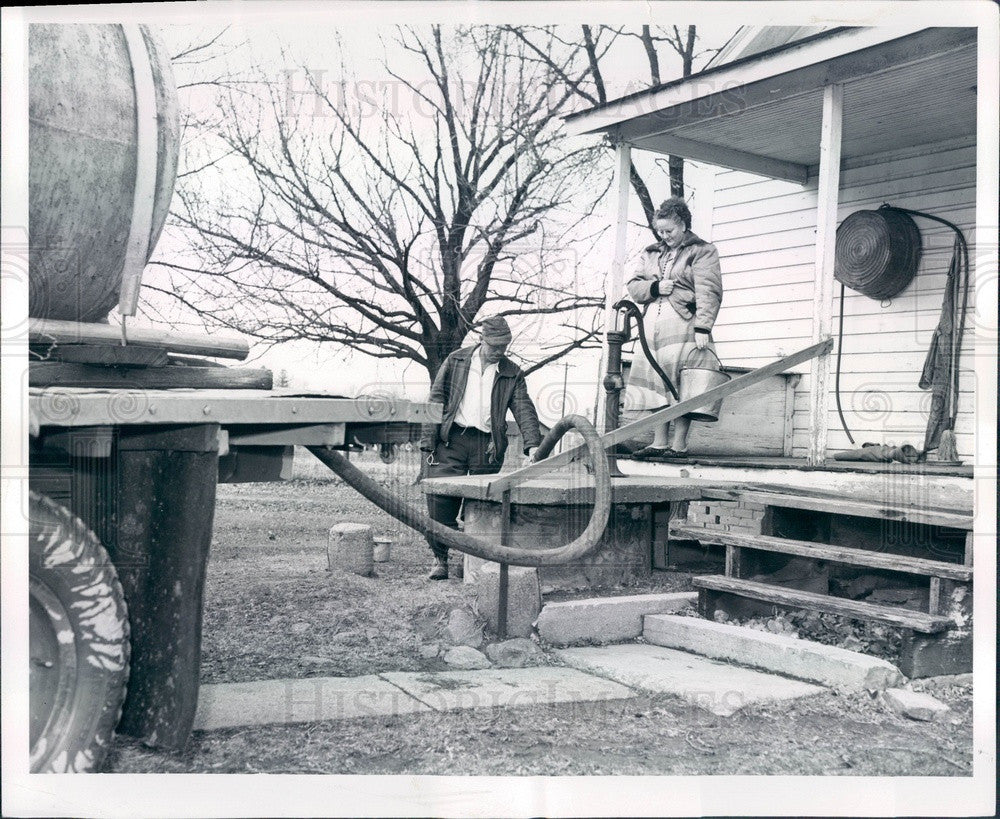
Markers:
point(430, 651)
point(463, 630)
point(466, 658)
point(515, 653)
point(914, 705)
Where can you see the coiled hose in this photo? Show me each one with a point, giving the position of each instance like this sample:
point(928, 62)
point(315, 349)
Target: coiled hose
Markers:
point(513, 555)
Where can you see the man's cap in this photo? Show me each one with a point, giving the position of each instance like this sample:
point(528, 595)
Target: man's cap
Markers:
point(495, 330)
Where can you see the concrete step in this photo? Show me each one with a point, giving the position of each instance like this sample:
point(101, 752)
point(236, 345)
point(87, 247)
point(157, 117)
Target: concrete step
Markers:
point(716, 687)
point(779, 653)
point(605, 619)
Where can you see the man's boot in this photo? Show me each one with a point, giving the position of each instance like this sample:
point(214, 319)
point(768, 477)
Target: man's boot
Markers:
point(440, 570)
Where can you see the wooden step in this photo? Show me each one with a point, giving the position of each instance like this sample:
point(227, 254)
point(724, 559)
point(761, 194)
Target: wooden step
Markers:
point(792, 598)
point(837, 505)
point(824, 551)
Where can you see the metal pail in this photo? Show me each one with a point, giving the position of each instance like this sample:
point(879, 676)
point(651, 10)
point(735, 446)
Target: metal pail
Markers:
point(696, 380)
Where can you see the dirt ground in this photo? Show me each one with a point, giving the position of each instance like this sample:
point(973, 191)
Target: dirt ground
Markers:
point(273, 610)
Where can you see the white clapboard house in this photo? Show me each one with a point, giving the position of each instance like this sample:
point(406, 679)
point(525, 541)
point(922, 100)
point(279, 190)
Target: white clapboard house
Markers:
point(798, 129)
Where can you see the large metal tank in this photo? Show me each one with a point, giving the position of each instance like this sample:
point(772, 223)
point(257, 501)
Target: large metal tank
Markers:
point(103, 145)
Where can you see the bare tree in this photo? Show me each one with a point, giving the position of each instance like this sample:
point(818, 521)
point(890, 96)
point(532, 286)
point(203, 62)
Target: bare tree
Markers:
point(582, 73)
point(387, 219)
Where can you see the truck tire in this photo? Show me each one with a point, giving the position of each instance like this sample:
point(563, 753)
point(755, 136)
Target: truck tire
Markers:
point(78, 642)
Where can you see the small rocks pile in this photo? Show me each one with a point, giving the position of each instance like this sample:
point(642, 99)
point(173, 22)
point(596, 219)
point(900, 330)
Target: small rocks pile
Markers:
point(462, 637)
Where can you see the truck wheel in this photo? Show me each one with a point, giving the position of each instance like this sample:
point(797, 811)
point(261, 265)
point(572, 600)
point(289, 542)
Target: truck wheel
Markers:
point(78, 642)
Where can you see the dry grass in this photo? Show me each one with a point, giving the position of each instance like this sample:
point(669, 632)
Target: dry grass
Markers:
point(824, 735)
point(273, 610)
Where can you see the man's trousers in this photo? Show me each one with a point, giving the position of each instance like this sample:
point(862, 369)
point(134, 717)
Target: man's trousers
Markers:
point(465, 453)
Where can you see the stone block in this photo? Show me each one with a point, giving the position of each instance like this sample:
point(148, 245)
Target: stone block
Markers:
point(623, 554)
point(349, 548)
point(793, 657)
point(914, 704)
point(606, 619)
point(466, 658)
point(524, 598)
point(719, 688)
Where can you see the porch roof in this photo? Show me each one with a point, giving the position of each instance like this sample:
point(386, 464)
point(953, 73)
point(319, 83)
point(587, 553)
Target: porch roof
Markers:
point(763, 114)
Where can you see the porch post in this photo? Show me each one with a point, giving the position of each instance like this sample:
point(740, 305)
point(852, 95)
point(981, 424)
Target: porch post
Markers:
point(619, 217)
point(826, 237)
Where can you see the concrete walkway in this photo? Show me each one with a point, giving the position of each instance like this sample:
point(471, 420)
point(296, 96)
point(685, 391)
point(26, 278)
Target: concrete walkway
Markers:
point(613, 672)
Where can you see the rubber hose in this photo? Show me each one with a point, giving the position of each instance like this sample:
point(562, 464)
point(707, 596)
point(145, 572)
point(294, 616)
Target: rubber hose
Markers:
point(636, 313)
point(513, 555)
point(836, 383)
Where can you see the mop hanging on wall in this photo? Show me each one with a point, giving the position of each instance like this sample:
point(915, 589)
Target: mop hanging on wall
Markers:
point(877, 254)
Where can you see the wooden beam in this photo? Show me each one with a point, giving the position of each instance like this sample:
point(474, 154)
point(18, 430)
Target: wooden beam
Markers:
point(257, 464)
point(795, 499)
point(129, 356)
point(793, 598)
point(44, 331)
point(725, 157)
point(826, 238)
point(66, 374)
point(314, 435)
point(619, 219)
point(72, 407)
point(511, 479)
point(732, 88)
point(824, 551)
point(934, 596)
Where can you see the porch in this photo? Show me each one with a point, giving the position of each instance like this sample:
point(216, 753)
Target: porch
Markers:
point(781, 533)
point(794, 140)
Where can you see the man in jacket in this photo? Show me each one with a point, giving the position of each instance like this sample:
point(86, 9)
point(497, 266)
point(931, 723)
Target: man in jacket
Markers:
point(477, 386)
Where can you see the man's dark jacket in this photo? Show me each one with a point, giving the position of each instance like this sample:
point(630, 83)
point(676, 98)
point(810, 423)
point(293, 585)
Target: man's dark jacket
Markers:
point(509, 392)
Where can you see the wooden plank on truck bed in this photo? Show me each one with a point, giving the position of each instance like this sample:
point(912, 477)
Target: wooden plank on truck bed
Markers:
point(48, 331)
point(73, 407)
point(67, 374)
point(130, 356)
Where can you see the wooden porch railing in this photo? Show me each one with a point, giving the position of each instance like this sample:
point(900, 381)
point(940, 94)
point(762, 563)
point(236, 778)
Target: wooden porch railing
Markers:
point(497, 487)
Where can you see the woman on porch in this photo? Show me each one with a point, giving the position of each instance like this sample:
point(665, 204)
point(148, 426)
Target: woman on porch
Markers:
point(680, 281)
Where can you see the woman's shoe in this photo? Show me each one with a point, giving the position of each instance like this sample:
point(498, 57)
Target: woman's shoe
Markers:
point(649, 453)
point(668, 454)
